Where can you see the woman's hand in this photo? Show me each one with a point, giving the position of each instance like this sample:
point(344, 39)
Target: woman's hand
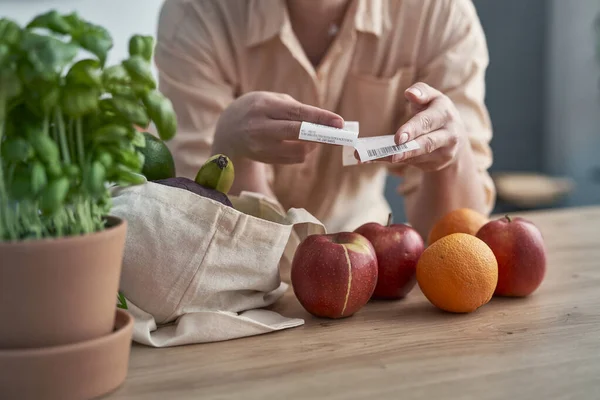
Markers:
point(436, 126)
point(264, 127)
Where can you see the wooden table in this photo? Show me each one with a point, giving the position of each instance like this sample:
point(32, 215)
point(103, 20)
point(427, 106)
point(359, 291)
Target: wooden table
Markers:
point(546, 346)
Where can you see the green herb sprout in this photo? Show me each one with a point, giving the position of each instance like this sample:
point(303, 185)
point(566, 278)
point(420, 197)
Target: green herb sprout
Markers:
point(67, 124)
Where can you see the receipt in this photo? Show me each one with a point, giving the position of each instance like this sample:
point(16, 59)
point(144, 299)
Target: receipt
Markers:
point(372, 148)
point(368, 148)
point(348, 151)
point(327, 134)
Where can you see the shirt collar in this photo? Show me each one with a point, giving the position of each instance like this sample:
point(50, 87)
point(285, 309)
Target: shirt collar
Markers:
point(266, 18)
point(370, 16)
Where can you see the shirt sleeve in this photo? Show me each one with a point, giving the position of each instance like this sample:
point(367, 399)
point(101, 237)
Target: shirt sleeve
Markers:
point(453, 59)
point(190, 76)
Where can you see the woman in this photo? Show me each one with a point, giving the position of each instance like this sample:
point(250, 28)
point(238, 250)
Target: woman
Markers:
point(243, 75)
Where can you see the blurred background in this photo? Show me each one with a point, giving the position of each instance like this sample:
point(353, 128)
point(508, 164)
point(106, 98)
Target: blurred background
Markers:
point(542, 91)
point(543, 98)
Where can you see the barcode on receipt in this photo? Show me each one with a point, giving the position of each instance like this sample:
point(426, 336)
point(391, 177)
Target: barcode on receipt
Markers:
point(384, 151)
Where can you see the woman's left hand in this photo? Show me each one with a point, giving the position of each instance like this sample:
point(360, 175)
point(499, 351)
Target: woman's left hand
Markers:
point(436, 126)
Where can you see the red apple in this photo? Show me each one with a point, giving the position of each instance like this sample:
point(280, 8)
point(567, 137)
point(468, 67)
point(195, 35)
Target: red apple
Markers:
point(334, 275)
point(519, 248)
point(398, 248)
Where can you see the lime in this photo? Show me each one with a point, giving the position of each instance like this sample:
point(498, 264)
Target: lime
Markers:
point(158, 160)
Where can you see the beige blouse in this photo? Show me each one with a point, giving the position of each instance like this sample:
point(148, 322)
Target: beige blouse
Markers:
point(209, 52)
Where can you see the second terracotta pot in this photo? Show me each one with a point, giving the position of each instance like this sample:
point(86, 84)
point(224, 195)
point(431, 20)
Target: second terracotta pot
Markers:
point(60, 291)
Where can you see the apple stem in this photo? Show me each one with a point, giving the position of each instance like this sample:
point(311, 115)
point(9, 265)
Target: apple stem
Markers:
point(507, 218)
point(390, 219)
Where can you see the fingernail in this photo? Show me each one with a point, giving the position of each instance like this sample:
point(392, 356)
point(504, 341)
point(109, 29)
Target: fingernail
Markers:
point(403, 137)
point(338, 123)
point(415, 91)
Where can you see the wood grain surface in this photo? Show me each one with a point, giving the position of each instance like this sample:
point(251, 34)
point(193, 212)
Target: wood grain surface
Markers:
point(546, 346)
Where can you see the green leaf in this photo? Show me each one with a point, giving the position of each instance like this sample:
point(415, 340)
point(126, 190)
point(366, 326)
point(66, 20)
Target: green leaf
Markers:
point(105, 159)
point(85, 72)
point(121, 301)
point(28, 74)
point(111, 133)
point(138, 140)
point(102, 207)
point(96, 178)
point(41, 97)
point(131, 110)
point(112, 142)
point(28, 180)
point(48, 55)
point(54, 196)
point(99, 46)
point(139, 71)
point(120, 90)
point(45, 148)
point(125, 177)
point(113, 149)
point(77, 24)
point(116, 81)
point(142, 160)
point(79, 100)
point(5, 54)
point(23, 122)
point(51, 20)
point(127, 146)
point(10, 88)
point(115, 74)
point(132, 160)
point(141, 45)
point(39, 178)
point(160, 109)
point(49, 99)
point(54, 170)
point(10, 85)
point(93, 38)
point(106, 106)
point(40, 94)
point(10, 32)
point(16, 149)
point(71, 170)
point(19, 187)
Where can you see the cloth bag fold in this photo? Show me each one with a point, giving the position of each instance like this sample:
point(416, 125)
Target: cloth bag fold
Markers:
point(196, 271)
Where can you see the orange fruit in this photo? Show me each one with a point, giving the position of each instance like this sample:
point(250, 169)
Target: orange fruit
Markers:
point(458, 273)
point(461, 220)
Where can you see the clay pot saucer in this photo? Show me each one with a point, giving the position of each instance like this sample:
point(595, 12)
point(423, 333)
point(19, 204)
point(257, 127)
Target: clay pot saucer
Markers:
point(82, 370)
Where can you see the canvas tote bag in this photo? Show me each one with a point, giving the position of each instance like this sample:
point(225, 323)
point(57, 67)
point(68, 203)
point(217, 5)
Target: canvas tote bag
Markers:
point(197, 271)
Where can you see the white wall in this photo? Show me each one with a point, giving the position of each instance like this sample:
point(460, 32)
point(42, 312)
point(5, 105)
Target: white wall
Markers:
point(573, 96)
point(122, 18)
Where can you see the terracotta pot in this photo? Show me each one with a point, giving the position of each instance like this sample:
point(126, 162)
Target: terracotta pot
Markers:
point(60, 291)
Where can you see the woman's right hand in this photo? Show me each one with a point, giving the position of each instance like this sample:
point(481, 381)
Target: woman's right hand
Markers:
point(264, 127)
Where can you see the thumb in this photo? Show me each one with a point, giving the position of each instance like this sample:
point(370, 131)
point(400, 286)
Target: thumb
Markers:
point(420, 94)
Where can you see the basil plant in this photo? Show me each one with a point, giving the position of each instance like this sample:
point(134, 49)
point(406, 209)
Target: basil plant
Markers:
point(68, 124)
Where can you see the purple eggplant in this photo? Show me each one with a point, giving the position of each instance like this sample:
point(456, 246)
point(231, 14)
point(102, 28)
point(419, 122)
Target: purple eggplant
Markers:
point(192, 186)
